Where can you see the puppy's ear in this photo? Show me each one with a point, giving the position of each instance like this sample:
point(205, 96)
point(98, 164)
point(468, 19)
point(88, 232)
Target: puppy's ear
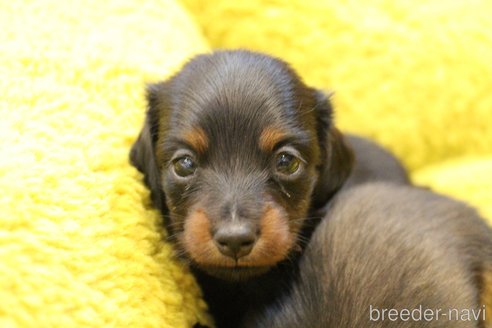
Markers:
point(336, 156)
point(142, 154)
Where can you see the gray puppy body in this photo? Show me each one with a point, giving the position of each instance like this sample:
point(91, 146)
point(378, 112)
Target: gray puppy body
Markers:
point(373, 163)
point(384, 246)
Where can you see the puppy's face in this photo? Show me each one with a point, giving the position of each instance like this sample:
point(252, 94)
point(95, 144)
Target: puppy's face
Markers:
point(236, 150)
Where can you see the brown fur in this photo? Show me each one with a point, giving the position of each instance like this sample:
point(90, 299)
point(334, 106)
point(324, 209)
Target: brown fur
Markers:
point(269, 137)
point(197, 139)
point(196, 236)
point(276, 239)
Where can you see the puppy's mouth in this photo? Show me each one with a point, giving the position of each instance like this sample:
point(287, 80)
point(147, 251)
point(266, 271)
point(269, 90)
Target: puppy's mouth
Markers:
point(272, 245)
point(236, 273)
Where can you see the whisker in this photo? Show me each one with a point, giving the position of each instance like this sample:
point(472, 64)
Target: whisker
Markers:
point(302, 242)
point(176, 215)
point(290, 258)
point(181, 253)
point(176, 224)
point(174, 236)
point(307, 218)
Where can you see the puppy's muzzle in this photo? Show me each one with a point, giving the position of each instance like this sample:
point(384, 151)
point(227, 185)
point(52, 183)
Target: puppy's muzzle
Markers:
point(235, 239)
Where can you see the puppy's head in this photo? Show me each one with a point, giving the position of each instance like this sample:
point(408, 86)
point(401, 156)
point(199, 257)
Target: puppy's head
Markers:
point(236, 150)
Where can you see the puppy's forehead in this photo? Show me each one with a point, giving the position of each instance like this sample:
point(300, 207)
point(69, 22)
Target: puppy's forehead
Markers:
point(237, 97)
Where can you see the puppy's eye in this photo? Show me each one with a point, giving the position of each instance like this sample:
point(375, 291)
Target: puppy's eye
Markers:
point(184, 166)
point(287, 163)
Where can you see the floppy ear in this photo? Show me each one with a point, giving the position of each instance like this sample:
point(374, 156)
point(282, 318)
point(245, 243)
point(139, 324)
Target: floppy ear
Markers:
point(336, 156)
point(142, 154)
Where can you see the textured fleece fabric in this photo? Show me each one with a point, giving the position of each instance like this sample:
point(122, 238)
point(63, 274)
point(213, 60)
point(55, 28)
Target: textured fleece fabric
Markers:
point(80, 245)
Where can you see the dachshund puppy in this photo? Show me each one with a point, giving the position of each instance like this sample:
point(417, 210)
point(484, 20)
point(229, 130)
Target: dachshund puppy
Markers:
point(237, 152)
point(389, 255)
point(240, 156)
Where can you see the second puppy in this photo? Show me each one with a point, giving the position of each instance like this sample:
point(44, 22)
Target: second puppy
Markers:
point(389, 255)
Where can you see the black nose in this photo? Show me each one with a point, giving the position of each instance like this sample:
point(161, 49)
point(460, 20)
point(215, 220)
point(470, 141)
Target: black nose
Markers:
point(235, 240)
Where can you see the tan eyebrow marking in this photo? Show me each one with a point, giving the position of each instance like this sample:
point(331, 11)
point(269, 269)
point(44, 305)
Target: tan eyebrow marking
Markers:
point(269, 137)
point(197, 138)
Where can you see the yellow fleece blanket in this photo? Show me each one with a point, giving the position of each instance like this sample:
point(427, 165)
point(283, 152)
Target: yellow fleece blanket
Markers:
point(80, 245)
point(414, 75)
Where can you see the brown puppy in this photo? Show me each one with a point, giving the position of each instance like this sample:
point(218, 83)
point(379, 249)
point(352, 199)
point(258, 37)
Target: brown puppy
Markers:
point(241, 156)
point(388, 255)
point(238, 153)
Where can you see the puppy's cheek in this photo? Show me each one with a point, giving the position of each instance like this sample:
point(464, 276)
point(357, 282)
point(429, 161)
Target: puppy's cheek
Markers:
point(276, 238)
point(198, 243)
point(196, 235)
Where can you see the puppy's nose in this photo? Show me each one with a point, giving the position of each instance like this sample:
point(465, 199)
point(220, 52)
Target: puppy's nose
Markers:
point(235, 240)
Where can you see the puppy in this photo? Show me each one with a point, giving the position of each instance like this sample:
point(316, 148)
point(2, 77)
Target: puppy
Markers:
point(237, 151)
point(240, 156)
point(388, 246)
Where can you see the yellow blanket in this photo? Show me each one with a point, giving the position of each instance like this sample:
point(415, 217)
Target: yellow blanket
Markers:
point(78, 248)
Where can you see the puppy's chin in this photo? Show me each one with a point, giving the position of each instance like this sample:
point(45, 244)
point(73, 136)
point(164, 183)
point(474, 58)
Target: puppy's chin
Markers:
point(235, 274)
